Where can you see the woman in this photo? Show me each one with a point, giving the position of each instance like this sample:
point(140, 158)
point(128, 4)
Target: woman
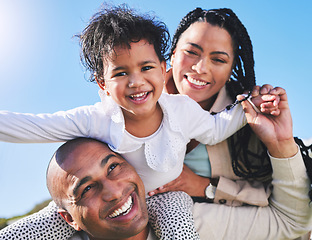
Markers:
point(212, 61)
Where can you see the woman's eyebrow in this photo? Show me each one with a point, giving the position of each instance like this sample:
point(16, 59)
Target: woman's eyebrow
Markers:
point(220, 52)
point(196, 45)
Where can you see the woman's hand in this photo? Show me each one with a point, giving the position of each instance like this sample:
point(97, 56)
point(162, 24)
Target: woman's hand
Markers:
point(188, 182)
point(274, 131)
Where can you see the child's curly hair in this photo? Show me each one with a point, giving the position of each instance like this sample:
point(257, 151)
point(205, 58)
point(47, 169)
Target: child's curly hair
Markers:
point(119, 26)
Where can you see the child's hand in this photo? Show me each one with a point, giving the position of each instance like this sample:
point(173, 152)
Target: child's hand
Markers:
point(265, 99)
point(275, 131)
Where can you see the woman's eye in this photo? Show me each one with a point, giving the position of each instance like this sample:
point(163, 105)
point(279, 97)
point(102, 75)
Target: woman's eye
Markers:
point(146, 68)
point(191, 52)
point(219, 60)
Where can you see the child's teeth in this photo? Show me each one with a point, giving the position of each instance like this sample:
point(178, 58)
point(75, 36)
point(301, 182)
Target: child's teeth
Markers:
point(138, 95)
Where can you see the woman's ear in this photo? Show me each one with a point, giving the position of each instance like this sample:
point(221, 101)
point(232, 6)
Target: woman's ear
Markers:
point(163, 67)
point(172, 58)
point(100, 81)
point(68, 218)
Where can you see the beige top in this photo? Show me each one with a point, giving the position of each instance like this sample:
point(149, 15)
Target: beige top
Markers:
point(231, 189)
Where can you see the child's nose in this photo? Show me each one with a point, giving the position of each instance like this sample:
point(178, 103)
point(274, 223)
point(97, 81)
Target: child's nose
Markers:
point(136, 80)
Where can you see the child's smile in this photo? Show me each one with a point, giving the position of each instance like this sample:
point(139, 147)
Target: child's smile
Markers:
point(134, 78)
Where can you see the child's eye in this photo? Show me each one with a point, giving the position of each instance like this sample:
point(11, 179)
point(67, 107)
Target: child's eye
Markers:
point(146, 68)
point(120, 74)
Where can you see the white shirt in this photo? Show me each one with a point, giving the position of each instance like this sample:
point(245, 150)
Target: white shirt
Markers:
point(158, 158)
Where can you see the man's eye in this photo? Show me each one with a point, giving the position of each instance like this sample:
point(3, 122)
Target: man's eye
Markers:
point(112, 167)
point(86, 190)
point(146, 68)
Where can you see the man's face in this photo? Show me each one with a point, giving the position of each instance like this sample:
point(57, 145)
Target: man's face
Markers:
point(103, 193)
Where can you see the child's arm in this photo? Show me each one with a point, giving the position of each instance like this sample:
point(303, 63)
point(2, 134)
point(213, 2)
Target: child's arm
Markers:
point(216, 128)
point(60, 126)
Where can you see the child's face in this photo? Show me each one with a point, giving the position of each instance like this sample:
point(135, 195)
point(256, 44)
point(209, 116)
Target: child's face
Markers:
point(135, 78)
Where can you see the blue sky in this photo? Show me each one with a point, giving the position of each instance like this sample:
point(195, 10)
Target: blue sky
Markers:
point(40, 70)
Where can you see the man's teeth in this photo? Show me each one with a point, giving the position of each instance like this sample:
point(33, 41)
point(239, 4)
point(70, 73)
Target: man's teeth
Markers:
point(124, 210)
point(196, 82)
point(138, 95)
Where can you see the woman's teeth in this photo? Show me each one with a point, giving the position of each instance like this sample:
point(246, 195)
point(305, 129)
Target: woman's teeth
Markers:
point(124, 210)
point(196, 82)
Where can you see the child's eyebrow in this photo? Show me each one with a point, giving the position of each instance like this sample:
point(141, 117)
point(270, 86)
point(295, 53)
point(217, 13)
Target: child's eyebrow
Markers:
point(148, 61)
point(119, 68)
point(140, 64)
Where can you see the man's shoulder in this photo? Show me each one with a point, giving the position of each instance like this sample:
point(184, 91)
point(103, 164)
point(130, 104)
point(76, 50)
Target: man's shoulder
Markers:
point(81, 235)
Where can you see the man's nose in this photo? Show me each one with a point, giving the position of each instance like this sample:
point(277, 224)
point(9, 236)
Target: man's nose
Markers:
point(112, 190)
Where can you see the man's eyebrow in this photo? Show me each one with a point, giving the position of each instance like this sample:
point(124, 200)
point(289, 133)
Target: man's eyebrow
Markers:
point(88, 178)
point(79, 184)
point(105, 160)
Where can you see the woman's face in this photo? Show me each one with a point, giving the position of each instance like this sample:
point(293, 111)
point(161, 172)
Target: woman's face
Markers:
point(202, 62)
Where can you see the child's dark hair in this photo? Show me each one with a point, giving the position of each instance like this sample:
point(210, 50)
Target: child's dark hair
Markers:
point(119, 26)
point(243, 74)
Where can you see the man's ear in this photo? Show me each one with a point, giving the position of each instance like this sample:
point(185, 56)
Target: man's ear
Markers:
point(68, 218)
point(100, 81)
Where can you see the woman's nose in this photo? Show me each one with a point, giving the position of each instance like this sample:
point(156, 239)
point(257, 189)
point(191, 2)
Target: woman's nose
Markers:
point(201, 66)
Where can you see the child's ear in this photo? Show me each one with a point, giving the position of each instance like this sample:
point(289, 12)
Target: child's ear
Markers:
point(100, 81)
point(68, 218)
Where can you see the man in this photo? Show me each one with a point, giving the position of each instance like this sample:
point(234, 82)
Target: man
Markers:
point(98, 191)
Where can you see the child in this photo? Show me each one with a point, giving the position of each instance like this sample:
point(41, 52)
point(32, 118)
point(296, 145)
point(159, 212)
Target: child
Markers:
point(125, 54)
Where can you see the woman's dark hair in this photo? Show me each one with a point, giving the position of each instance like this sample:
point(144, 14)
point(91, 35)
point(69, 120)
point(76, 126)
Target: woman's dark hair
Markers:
point(243, 74)
point(119, 26)
point(249, 155)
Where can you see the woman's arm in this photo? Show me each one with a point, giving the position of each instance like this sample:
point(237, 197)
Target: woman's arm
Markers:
point(288, 215)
